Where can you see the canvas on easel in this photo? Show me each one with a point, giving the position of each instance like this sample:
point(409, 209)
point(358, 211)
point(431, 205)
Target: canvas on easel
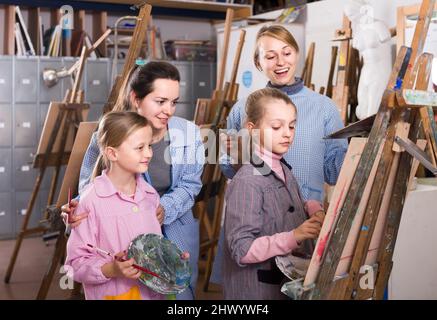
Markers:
point(71, 178)
point(396, 129)
point(70, 181)
point(49, 124)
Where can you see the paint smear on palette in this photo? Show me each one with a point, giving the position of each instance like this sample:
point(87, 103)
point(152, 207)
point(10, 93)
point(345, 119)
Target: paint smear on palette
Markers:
point(322, 244)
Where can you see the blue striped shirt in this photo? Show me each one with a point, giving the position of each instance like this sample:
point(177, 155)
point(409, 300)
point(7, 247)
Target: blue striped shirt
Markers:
point(313, 159)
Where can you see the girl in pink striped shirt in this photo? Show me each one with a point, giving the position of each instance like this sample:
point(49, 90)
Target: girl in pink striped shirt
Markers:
point(121, 206)
point(265, 213)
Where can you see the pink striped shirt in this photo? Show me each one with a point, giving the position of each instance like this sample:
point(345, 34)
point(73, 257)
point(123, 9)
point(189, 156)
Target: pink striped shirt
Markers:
point(273, 160)
point(114, 220)
point(264, 248)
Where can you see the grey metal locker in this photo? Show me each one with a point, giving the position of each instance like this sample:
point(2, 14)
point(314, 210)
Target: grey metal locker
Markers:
point(26, 125)
point(24, 174)
point(185, 70)
point(43, 196)
point(5, 125)
point(213, 75)
point(112, 74)
point(5, 170)
point(26, 80)
point(47, 179)
point(43, 109)
point(95, 112)
point(60, 179)
point(97, 81)
point(120, 66)
point(54, 93)
point(6, 216)
point(68, 62)
point(185, 110)
point(202, 87)
point(6, 79)
point(21, 203)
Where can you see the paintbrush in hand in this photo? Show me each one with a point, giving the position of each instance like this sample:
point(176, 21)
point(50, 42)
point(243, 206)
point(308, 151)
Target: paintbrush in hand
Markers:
point(123, 260)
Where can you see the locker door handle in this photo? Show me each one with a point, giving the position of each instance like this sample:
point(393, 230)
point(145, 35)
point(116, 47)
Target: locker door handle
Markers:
point(26, 125)
point(25, 81)
point(2, 125)
point(22, 212)
point(2, 81)
point(2, 213)
point(2, 169)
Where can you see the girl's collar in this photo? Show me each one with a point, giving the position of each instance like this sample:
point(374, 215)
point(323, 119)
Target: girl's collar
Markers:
point(289, 89)
point(266, 154)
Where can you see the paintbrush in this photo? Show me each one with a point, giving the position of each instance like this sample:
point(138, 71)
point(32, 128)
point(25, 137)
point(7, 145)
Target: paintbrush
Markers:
point(123, 260)
point(69, 201)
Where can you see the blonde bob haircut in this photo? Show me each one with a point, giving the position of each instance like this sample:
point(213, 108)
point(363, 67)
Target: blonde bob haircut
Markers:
point(277, 32)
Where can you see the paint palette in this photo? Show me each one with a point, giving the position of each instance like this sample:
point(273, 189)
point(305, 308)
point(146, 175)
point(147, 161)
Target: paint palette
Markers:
point(163, 257)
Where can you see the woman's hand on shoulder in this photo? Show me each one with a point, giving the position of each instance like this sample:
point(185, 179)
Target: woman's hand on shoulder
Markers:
point(68, 211)
point(160, 214)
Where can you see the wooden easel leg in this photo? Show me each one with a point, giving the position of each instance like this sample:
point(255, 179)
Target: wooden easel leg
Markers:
point(216, 233)
point(54, 263)
point(23, 231)
point(382, 280)
point(76, 293)
point(53, 185)
point(203, 218)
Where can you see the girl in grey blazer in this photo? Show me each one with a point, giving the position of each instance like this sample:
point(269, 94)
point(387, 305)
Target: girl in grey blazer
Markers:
point(265, 214)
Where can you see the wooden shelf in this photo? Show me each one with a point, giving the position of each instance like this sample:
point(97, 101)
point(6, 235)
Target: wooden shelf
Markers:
point(120, 45)
point(240, 10)
point(124, 31)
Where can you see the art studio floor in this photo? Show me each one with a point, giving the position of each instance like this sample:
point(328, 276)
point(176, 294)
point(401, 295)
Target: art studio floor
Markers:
point(32, 263)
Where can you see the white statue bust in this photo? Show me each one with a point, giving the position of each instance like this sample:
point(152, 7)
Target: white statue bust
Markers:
point(371, 38)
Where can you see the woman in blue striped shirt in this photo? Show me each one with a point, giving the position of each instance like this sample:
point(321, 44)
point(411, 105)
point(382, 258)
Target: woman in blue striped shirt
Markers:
point(314, 160)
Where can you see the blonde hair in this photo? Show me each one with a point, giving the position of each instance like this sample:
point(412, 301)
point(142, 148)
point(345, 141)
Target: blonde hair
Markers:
point(114, 129)
point(277, 32)
point(255, 104)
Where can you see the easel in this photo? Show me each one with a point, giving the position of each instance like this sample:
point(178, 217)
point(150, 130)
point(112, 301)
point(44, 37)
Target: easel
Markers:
point(307, 72)
point(344, 93)
point(426, 112)
point(382, 174)
point(71, 180)
point(79, 148)
point(205, 117)
point(53, 150)
point(138, 37)
point(214, 183)
point(340, 93)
